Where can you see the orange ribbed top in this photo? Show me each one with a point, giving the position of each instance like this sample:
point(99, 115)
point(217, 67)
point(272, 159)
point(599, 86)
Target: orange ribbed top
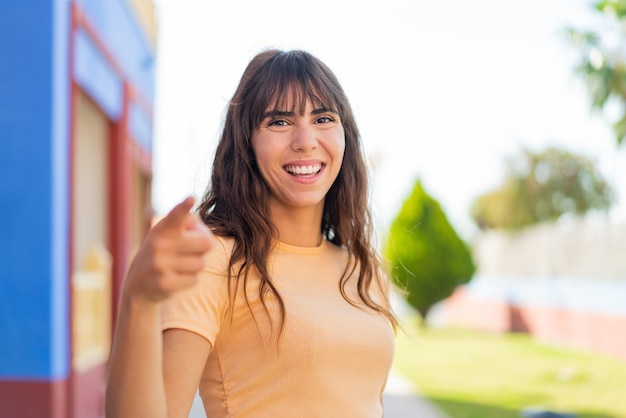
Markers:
point(332, 359)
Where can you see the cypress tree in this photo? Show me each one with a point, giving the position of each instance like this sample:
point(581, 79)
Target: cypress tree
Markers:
point(427, 258)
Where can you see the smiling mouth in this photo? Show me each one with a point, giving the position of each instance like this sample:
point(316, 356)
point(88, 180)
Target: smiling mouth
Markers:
point(304, 170)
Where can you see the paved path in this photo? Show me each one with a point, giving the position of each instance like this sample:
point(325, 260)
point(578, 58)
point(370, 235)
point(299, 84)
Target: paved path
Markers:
point(399, 402)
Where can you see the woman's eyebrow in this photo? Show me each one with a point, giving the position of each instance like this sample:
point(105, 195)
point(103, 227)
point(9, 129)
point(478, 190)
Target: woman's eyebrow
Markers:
point(323, 110)
point(274, 113)
point(282, 113)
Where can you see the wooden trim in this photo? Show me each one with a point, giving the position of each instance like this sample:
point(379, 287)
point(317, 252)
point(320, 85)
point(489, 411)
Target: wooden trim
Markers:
point(73, 97)
point(119, 200)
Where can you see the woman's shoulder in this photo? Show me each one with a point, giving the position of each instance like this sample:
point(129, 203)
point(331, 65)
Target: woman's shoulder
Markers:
point(217, 259)
point(225, 244)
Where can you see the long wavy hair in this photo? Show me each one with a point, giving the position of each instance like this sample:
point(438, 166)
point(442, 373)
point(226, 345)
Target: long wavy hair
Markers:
point(236, 202)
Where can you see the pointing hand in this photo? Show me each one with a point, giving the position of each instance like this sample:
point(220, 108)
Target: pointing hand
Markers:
point(171, 255)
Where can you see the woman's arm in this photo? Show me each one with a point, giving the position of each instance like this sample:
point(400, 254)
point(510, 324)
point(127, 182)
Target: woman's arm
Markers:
point(168, 260)
point(184, 357)
point(135, 383)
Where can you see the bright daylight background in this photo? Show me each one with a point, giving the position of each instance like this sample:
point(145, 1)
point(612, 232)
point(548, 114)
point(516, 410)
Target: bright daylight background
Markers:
point(441, 90)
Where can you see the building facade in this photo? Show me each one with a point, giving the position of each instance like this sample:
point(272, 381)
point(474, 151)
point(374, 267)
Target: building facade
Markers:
point(76, 99)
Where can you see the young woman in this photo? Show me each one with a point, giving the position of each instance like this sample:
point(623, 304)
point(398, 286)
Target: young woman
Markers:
point(270, 299)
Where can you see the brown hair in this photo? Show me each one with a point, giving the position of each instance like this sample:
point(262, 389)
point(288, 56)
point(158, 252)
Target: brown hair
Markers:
point(236, 203)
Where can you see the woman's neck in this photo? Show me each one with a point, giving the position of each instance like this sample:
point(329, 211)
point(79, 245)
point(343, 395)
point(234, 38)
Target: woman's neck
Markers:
point(300, 227)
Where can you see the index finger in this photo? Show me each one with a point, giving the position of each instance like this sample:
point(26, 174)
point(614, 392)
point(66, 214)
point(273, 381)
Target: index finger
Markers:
point(179, 214)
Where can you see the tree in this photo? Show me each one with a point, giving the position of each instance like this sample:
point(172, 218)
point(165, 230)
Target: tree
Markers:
point(426, 256)
point(541, 187)
point(603, 61)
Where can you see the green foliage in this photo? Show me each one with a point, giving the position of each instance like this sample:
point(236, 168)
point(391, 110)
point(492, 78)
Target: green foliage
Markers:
point(603, 63)
point(426, 256)
point(541, 187)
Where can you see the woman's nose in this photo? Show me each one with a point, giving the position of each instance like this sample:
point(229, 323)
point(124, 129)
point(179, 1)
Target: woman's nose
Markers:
point(304, 138)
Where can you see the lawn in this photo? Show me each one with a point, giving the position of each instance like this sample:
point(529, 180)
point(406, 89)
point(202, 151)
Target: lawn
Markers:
point(470, 374)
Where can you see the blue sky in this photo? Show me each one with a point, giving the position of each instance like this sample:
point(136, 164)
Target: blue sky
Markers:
point(442, 91)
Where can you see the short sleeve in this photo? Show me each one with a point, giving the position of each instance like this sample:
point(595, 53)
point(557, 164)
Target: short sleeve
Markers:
point(202, 308)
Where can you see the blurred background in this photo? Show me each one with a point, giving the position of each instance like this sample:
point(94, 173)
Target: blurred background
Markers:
point(504, 119)
point(441, 90)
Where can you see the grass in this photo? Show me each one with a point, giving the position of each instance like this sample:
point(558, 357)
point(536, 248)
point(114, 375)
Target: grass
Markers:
point(470, 374)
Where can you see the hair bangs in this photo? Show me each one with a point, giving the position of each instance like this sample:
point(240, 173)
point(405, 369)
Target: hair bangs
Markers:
point(290, 82)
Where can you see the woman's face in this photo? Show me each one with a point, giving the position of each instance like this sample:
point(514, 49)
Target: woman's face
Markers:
point(299, 155)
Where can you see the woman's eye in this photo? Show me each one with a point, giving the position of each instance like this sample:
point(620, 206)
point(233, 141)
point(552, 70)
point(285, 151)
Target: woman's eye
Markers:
point(324, 119)
point(277, 122)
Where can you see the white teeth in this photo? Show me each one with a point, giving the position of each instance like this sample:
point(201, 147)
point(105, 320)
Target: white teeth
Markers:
point(304, 169)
